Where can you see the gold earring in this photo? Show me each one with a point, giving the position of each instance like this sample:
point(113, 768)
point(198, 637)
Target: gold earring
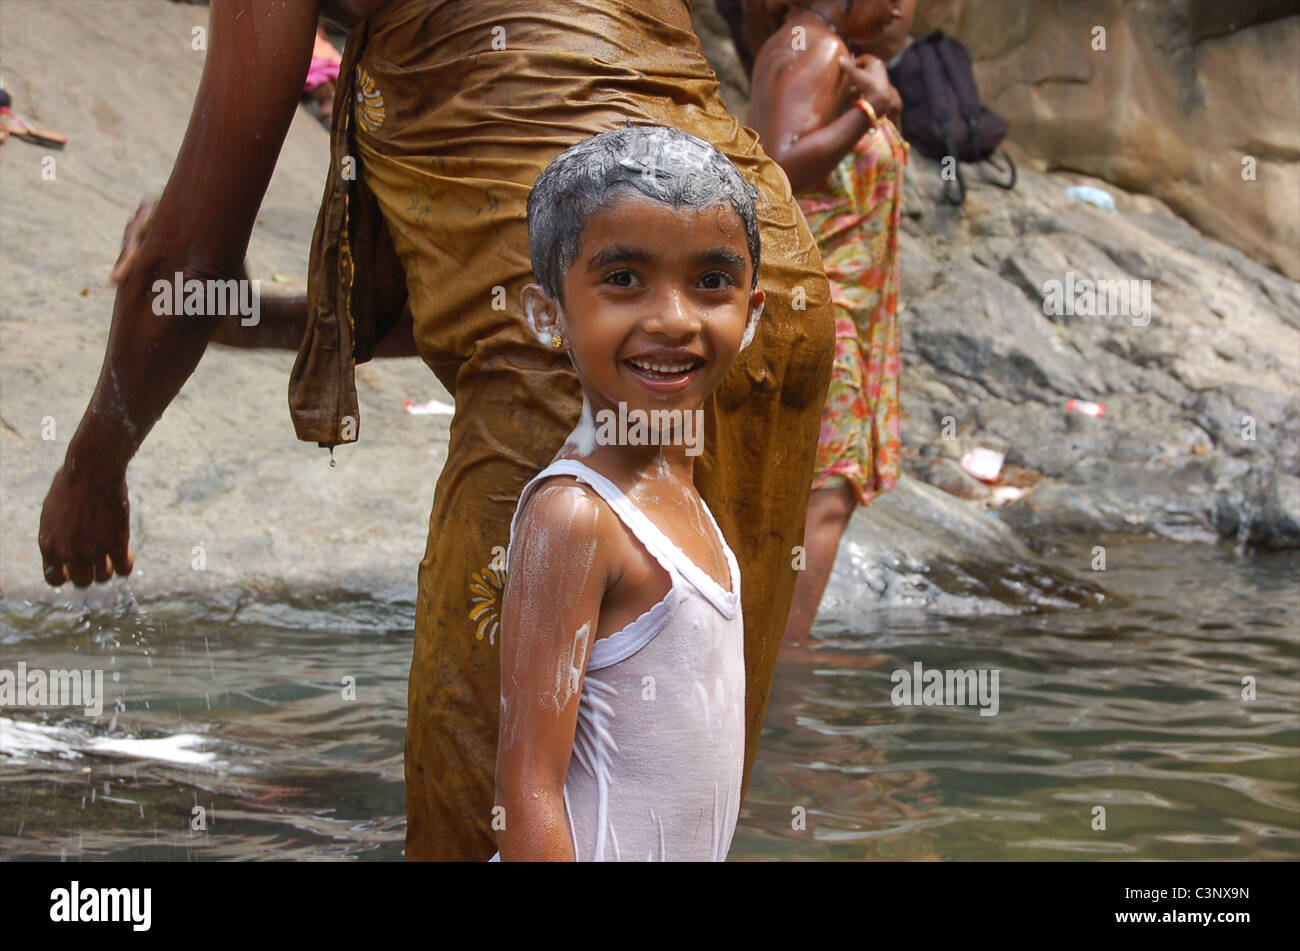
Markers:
point(557, 342)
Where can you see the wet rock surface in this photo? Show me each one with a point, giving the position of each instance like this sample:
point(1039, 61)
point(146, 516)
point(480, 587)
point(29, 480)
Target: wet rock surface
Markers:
point(918, 546)
point(1199, 380)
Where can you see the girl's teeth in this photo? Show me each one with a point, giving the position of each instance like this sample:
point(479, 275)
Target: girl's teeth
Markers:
point(660, 367)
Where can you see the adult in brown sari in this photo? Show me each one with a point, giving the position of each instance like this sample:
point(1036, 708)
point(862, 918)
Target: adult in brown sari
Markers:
point(452, 110)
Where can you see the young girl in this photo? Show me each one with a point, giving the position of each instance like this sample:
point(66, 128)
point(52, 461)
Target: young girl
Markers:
point(622, 729)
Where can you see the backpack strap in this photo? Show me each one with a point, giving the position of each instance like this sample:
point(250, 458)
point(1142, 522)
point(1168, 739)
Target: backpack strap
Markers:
point(967, 97)
point(933, 72)
point(1010, 175)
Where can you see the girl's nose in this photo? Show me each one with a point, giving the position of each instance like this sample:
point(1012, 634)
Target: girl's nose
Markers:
point(672, 314)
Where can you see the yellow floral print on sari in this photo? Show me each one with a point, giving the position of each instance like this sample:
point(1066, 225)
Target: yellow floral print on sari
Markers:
point(370, 102)
point(485, 589)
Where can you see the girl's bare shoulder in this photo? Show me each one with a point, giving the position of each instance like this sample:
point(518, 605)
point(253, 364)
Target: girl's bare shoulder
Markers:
point(562, 500)
point(565, 518)
point(570, 515)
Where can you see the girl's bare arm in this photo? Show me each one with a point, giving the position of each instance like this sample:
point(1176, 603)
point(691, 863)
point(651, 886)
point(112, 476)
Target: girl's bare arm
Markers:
point(560, 569)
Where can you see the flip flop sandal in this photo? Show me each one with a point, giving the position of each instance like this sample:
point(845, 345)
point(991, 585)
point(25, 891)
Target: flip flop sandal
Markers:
point(11, 124)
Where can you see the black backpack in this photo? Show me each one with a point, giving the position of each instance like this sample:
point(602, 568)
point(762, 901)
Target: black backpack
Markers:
point(942, 114)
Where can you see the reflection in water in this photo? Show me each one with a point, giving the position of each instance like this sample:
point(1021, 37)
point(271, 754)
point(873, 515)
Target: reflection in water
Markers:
point(227, 732)
point(292, 768)
point(1136, 708)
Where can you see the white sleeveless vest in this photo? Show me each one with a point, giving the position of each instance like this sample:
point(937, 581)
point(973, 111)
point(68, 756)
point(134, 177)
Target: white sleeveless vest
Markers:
point(660, 744)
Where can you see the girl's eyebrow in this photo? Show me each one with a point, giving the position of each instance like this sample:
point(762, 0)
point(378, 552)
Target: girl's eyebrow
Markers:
point(723, 256)
point(622, 254)
point(617, 254)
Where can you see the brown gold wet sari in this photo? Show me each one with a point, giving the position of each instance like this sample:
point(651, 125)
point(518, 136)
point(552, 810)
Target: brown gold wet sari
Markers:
point(453, 110)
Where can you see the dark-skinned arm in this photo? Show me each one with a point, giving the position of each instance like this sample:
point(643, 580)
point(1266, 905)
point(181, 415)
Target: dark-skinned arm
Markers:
point(283, 320)
point(256, 65)
point(802, 105)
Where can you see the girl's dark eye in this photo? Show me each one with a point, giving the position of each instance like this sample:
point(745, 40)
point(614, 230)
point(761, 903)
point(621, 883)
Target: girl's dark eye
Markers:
point(716, 280)
point(621, 278)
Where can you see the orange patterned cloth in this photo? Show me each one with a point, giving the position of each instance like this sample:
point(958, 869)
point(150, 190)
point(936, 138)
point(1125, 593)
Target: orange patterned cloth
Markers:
point(854, 215)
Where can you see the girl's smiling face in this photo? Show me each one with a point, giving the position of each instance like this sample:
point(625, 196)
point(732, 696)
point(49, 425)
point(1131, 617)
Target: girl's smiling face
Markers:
point(656, 304)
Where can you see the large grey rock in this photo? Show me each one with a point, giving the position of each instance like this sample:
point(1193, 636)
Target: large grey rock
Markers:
point(920, 547)
point(1182, 94)
point(1198, 393)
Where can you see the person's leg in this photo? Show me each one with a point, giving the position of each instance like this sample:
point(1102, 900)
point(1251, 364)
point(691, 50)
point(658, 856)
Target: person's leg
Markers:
point(515, 404)
point(509, 421)
point(829, 511)
point(842, 476)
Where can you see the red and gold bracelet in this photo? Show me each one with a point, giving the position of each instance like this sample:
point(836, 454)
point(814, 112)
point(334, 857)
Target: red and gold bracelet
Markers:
point(861, 103)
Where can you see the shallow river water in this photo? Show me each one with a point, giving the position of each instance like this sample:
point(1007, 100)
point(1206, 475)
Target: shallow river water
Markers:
point(225, 733)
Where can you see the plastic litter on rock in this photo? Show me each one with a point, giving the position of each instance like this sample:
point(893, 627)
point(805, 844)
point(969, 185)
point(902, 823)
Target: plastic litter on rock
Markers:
point(1085, 406)
point(1093, 196)
point(983, 464)
point(1004, 494)
point(430, 408)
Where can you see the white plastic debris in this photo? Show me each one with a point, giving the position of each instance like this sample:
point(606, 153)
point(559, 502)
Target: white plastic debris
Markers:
point(431, 408)
point(983, 464)
point(1086, 406)
point(1093, 196)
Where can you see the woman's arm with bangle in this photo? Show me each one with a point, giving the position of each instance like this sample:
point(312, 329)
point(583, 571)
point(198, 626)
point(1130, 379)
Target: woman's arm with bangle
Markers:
point(802, 107)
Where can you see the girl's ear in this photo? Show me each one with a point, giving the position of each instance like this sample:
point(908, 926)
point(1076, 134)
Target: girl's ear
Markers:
point(542, 312)
point(755, 312)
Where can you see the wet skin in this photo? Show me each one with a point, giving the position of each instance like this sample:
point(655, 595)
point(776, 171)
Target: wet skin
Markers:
point(257, 60)
point(801, 101)
point(649, 282)
point(799, 108)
